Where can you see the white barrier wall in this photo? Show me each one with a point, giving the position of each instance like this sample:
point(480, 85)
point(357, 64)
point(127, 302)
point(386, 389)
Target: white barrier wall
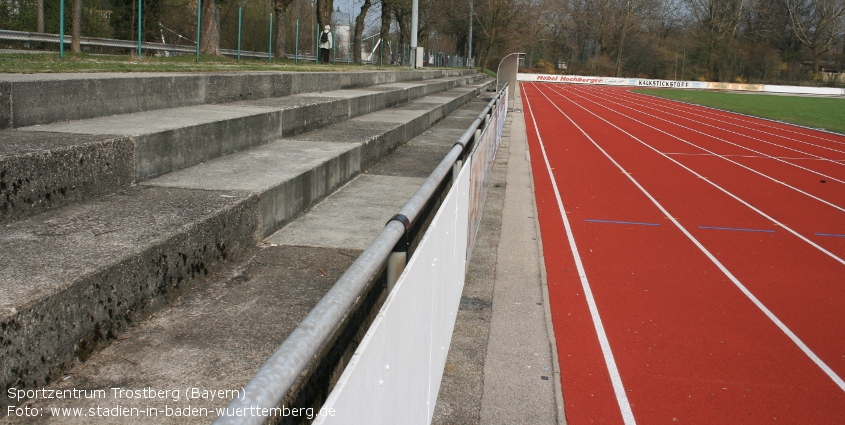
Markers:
point(700, 85)
point(394, 375)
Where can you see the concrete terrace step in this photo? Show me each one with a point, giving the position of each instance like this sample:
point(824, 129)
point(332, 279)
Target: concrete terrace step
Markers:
point(76, 276)
point(218, 336)
point(290, 174)
point(27, 100)
point(39, 171)
point(47, 166)
point(171, 139)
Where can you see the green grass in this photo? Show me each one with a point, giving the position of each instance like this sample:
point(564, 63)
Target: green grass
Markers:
point(817, 112)
point(50, 62)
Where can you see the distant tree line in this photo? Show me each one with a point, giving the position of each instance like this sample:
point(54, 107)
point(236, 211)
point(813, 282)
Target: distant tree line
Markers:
point(714, 40)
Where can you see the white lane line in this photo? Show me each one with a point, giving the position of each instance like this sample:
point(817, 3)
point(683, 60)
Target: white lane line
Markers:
point(663, 111)
point(720, 188)
point(753, 156)
point(715, 154)
point(820, 174)
point(745, 118)
point(610, 362)
point(821, 364)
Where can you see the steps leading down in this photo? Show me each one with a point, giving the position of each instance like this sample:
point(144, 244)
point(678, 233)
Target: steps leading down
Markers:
point(216, 338)
point(88, 252)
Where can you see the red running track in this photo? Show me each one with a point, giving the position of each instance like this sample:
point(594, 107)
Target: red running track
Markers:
point(695, 259)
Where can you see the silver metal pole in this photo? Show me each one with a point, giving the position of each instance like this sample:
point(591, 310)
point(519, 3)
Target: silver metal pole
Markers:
point(469, 53)
point(415, 18)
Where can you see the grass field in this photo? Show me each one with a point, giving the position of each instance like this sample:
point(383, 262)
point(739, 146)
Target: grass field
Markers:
point(817, 112)
point(24, 63)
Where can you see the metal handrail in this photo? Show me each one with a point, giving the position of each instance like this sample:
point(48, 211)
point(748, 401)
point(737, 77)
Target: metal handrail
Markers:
point(274, 379)
point(34, 37)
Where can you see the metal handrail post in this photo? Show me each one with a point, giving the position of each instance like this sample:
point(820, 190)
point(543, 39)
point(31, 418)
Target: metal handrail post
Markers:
point(62, 29)
point(240, 29)
point(140, 28)
point(270, 49)
point(199, 27)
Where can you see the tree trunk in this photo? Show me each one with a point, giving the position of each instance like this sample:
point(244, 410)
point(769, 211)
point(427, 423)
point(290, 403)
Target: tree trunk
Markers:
point(281, 9)
point(386, 13)
point(40, 23)
point(211, 24)
point(324, 13)
point(359, 29)
point(76, 25)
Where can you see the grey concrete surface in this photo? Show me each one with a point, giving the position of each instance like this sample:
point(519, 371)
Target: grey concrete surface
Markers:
point(290, 175)
point(287, 176)
point(216, 335)
point(368, 201)
point(73, 278)
point(462, 386)
point(172, 139)
point(48, 98)
point(43, 171)
point(503, 346)
point(213, 338)
point(519, 370)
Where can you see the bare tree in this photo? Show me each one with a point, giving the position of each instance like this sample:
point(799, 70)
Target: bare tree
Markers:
point(386, 21)
point(281, 9)
point(717, 23)
point(360, 23)
point(76, 25)
point(814, 23)
point(40, 19)
point(324, 13)
point(211, 28)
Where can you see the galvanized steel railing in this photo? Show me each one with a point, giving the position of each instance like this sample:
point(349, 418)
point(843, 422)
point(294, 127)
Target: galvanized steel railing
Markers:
point(274, 380)
point(32, 37)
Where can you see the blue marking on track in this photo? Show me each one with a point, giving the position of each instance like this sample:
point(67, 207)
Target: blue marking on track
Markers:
point(736, 229)
point(621, 222)
point(831, 235)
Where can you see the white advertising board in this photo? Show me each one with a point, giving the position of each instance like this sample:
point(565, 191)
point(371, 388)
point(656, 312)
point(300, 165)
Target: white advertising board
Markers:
point(394, 376)
point(700, 85)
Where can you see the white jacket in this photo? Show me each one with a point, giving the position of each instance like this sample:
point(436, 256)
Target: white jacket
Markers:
point(328, 44)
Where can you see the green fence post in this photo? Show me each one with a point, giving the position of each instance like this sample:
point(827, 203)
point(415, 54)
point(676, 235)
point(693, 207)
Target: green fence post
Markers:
point(61, 29)
point(270, 51)
point(317, 48)
point(240, 28)
point(381, 53)
point(199, 27)
point(140, 28)
point(296, 53)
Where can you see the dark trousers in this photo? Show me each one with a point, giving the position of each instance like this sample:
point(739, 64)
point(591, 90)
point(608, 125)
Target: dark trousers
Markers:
point(324, 55)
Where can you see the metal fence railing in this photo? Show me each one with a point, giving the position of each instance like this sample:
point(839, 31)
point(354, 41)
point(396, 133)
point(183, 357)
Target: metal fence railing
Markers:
point(373, 51)
point(270, 385)
point(32, 37)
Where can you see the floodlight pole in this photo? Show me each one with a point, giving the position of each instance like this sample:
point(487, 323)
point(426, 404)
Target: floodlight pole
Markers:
point(469, 50)
point(415, 18)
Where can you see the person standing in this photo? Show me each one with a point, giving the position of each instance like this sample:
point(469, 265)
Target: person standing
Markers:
point(326, 43)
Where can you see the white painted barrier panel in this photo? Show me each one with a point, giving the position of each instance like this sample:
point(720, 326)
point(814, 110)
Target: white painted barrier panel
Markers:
point(394, 376)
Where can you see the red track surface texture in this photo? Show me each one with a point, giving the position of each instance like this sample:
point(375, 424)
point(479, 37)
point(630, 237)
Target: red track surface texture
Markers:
point(698, 273)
